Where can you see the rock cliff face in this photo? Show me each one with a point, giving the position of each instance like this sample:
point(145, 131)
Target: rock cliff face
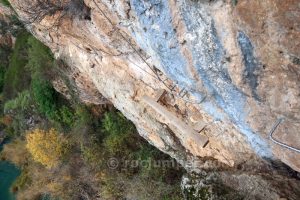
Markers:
point(234, 65)
point(6, 39)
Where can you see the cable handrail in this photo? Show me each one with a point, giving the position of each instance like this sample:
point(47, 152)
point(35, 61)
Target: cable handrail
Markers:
point(184, 91)
point(171, 88)
point(275, 126)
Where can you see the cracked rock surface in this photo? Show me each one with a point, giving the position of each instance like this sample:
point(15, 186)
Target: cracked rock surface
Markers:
point(239, 71)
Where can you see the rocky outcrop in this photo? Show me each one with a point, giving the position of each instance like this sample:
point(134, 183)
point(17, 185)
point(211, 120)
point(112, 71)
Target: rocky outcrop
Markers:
point(6, 39)
point(74, 85)
point(221, 64)
point(216, 186)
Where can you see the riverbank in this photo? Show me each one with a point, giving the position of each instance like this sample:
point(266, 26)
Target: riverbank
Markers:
point(8, 174)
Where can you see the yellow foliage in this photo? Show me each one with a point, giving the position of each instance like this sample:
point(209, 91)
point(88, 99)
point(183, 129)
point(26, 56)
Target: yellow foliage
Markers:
point(48, 148)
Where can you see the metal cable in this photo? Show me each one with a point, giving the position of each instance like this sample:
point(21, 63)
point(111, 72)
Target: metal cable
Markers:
point(154, 70)
point(278, 122)
point(172, 88)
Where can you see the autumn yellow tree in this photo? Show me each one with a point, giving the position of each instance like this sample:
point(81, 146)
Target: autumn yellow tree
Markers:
point(47, 147)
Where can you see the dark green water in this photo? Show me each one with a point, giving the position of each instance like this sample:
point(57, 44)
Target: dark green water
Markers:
point(8, 174)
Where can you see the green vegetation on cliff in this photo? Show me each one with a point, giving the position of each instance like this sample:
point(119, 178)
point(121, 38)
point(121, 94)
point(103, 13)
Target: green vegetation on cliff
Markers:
point(17, 78)
point(5, 2)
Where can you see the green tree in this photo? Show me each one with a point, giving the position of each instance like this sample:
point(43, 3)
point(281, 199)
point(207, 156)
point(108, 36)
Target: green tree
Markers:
point(45, 97)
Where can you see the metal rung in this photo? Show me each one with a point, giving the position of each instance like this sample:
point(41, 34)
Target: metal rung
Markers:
point(182, 90)
point(199, 126)
point(173, 88)
point(184, 94)
point(159, 95)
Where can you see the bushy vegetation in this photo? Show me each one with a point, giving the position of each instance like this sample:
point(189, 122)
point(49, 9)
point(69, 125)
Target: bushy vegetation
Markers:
point(65, 115)
point(45, 97)
point(41, 61)
point(5, 2)
point(65, 146)
point(119, 140)
point(17, 78)
point(29, 72)
point(119, 133)
point(47, 147)
point(21, 103)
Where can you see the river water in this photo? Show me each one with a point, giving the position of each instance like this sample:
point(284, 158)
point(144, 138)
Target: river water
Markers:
point(8, 174)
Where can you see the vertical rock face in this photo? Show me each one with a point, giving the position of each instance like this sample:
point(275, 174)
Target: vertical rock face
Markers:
point(234, 67)
point(73, 84)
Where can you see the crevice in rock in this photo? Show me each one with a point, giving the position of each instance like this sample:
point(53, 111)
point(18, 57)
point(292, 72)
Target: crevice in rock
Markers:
point(252, 67)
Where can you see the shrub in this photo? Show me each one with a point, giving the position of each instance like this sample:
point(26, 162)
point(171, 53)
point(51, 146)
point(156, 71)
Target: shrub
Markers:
point(119, 133)
point(114, 123)
point(92, 153)
point(5, 2)
point(47, 148)
point(45, 97)
point(50, 104)
point(65, 116)
point(21, 103)
point(40, 59)
point(83, 116)
point(19, 125)
point(21, 111)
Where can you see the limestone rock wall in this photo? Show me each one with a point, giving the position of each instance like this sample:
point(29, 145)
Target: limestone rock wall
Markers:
point(219, 62)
